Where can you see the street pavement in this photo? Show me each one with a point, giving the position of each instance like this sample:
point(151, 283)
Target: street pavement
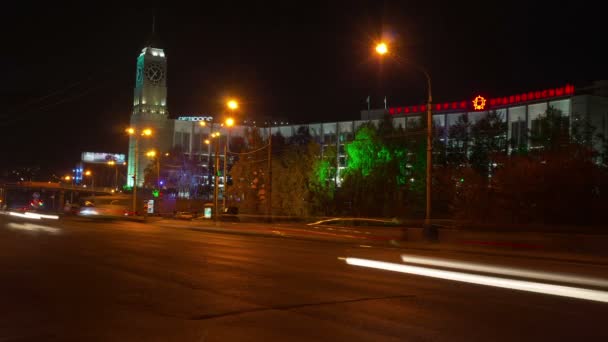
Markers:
point(76, 280)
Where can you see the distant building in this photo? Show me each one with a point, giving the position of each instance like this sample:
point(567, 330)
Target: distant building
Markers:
point(520, 111)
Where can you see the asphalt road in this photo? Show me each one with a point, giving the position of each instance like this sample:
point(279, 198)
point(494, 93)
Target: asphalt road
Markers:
point(125, 281)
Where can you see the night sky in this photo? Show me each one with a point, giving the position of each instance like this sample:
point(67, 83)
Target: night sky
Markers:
point(69, 73)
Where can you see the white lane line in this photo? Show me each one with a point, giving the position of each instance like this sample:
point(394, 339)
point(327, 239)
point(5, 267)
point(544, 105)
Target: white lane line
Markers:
point(522, 285)
point(510, 271)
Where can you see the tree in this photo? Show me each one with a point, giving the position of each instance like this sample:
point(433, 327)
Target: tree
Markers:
point(458, 142)
point(292, 172)
point(249, 174)
point(323, 181)
point(489, 141)
point(382, 169)
point(550, 131)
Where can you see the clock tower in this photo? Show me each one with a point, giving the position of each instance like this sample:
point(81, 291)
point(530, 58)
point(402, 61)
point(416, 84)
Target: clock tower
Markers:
point(149, 109)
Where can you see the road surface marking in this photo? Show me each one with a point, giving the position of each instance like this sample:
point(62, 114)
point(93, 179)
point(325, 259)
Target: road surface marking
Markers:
point(365, 246)
point(522, 285)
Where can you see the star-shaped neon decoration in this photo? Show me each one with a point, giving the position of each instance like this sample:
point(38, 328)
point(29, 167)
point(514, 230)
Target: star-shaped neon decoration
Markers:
point(479, 103)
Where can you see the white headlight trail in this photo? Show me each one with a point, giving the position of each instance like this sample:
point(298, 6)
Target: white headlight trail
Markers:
point(522, 285)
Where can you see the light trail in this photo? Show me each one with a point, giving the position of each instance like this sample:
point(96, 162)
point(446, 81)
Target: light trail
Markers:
point(522, 285)
point(35, 216)
point(33, 227)
point(510, 271)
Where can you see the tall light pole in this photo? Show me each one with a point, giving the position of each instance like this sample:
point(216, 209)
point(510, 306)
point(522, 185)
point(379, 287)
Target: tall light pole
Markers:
point(113, 163)
point(153, 154)
point(382, 49)
point(88, 173)
point(232, 105)
point(215, 136)
point(146, 132)
point(216, 177)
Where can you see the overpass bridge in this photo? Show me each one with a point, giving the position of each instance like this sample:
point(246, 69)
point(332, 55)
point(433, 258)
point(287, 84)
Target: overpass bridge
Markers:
point(52, 195)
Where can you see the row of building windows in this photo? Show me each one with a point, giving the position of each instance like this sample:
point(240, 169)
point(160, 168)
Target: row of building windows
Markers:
point(520, 120)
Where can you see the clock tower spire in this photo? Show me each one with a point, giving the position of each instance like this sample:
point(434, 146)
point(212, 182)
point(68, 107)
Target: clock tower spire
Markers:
point(149, 104)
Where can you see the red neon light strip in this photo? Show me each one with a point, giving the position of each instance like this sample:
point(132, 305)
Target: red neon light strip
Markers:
point(568, 89)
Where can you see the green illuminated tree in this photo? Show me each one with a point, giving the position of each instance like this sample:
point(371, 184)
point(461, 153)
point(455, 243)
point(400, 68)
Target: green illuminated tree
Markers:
point(323, 182)
point(384, 172)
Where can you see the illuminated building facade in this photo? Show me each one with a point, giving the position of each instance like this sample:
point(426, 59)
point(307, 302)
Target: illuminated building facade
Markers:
point(149, 109)
point(520, 112)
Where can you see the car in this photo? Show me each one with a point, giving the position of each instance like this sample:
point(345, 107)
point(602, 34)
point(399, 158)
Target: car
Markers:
point(184, 215)
point(105, 211)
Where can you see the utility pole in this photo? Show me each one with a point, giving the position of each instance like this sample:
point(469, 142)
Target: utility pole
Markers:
point(429, 152)
point(216, 183)
point(225, 171)
point(158, 170)
point(135, 147)
point(269, 188)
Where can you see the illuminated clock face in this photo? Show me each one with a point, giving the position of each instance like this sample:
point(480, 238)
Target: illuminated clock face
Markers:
point(154, 73)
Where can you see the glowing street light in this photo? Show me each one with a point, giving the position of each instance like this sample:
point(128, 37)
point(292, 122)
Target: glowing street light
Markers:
point(146, 132)
point(230, 122)
point(207, 141)
point(111, 163)
point(67, 178)
point(232, 104)
point(202, 123)
point(88, 173)
point(152, 154)
point(381, 48)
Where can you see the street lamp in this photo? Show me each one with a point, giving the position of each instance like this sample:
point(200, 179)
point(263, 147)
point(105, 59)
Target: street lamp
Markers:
point(146, 132)
point(382, 49)
point(232, 104)
point(217, 166)
point(229, 123)
point(88, 173)
point(113, 163)
point(152, 154)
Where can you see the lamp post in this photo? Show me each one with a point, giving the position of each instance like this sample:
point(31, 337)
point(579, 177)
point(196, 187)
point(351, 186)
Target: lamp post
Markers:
point(113, 163)
point(67, 179)
point(136, 135)
point(215, 135)
point(152, 154)
point(232, 105)
point(88, 173)
point(382, 49)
